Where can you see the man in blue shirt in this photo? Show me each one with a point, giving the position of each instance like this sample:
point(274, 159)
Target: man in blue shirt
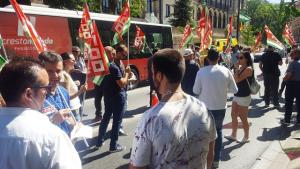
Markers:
point(57, 103)
point(114, 98)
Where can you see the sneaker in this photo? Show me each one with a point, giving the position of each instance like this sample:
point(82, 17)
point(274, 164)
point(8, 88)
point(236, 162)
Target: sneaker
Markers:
point(282, 121)
point(97, 118)
point(118, 148)
point(244, 140)
point(122, 132)
point(230, 138)
point(99, 145)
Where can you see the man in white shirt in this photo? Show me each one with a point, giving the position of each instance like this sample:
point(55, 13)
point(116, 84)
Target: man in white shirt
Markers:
point(178, 132)
point(212, 84)
point(28, 140)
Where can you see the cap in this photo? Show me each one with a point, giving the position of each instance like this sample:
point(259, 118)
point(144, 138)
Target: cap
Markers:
point(188, 52)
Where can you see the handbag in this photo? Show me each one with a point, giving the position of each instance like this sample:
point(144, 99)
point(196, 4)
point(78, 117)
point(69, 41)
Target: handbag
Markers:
point(254, 87)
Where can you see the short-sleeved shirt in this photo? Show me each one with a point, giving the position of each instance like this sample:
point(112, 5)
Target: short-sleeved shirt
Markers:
point(270, 62)
point(110, 86)
point(294, 69)
point(174, 135)
point(53, 103)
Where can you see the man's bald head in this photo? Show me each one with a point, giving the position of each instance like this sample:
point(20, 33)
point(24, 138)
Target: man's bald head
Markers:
point(111, 53)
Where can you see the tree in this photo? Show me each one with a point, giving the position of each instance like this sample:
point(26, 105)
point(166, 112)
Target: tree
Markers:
point(137, 8)
point(248, 35)
point(4, 3)
point(274, 15)
point(182, 14)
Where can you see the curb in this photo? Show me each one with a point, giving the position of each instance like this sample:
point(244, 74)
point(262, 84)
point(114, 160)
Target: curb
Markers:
point(273, 157)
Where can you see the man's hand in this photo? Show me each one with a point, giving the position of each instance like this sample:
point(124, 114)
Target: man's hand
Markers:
point(61, 116)
point(83, 88)
point(128, 70)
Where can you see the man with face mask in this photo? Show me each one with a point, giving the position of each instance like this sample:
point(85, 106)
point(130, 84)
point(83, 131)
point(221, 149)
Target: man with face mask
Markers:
point(57, 103)
point(28, 140)
point(177, 128)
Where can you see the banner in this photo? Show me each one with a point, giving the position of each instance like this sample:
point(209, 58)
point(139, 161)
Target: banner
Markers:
point(288, 36)
point(207, 40)
point(2, 62)
point(94, 50)
point(258, 40)
point(122, 24)
point(187, 36)
point(28, 28)
point(139, 41)
point(272, 40)
point(202, 24)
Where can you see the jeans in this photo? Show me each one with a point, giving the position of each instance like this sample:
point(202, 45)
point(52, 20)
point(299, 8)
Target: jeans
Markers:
point(292, 92)
point(114, 106)
point(271, 83)
point(98, 91)
point(219, 117)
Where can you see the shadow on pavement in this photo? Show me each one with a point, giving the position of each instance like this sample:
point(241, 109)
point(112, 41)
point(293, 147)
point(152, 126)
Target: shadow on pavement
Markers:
point(225, 156)
point(125, 166)
point(93, 158)
point(131, 113)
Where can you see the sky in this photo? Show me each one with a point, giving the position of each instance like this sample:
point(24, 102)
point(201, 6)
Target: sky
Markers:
point(277, 1)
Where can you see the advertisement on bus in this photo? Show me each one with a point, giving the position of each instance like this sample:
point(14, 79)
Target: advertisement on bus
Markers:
point(53, 30)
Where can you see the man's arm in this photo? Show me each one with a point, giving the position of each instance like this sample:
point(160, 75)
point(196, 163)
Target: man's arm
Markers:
point(124, 80)
point(210, 155)
point(197, 85)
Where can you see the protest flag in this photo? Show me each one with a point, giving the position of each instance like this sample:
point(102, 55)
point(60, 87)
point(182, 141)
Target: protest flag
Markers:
point(28, 28)
point(122, 24)
point(272, 40)
point(187, 36)
point(288, 36)
point(139, 41)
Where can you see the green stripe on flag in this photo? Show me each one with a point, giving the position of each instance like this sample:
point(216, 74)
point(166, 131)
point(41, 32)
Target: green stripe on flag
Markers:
point(98, 79)
point(1, 41)
point(274, 44)
point(2, 62)
point(116, 39)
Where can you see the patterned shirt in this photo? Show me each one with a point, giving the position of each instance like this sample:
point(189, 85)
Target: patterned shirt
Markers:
point(174, 135)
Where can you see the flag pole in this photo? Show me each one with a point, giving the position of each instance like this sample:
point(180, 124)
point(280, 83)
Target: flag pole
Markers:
point(128, 46)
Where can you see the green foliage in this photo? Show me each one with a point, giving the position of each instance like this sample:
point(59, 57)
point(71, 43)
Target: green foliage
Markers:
point(4, 3)
point(248, 35)
point(182, 14)
point(137, 8)
point(274, 15)
point(94, 5)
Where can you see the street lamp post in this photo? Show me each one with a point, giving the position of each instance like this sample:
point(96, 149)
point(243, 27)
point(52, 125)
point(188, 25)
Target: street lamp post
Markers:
point(238, 21)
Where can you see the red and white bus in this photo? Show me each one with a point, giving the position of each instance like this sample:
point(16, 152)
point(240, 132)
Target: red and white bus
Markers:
point(59, 29)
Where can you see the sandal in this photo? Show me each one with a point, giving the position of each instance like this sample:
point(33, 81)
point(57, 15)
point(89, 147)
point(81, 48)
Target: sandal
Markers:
point(244, 140)
point(230, 138)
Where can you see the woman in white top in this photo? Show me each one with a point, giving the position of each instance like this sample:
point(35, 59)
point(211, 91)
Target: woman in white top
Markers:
point(71, 85)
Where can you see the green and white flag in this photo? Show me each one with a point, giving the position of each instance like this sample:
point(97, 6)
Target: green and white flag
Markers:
point(1, 41)
point(122, 24)
point(2, 62)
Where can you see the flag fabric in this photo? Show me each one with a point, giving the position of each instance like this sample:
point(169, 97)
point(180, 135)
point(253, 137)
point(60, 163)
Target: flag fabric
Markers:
point(272, 40)
point(207, 40)
point(229, 35)
point(2, 62)
point(1, 41)
point(202, 24)
point(28, 28)
point(139, 41)
point(98, 64)
point(258, 40)
point(122, 24)
point(187, 36)
point(288, 36)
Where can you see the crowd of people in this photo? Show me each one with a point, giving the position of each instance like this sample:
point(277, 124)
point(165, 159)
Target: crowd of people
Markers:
point(40, 108)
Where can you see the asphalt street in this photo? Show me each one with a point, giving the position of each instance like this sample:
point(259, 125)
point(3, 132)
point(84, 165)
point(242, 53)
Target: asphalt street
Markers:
point(264, 129)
